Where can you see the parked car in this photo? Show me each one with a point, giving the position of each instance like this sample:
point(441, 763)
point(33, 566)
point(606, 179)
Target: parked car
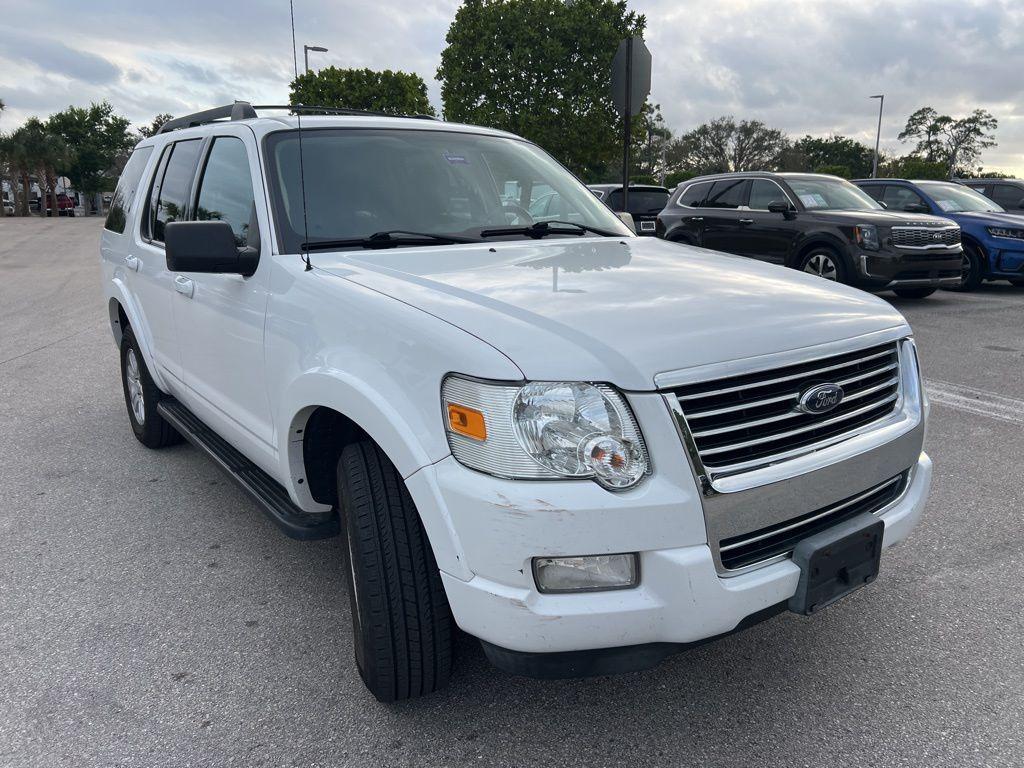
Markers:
point(65, 205)
point(818, 224)
point(993, 241)
point(1008, 194)
point(645, 202)
point(575, 445)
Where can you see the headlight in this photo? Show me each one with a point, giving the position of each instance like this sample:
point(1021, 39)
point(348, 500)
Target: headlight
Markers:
point(1007, 232)
point(867, 236)
point(545, 430)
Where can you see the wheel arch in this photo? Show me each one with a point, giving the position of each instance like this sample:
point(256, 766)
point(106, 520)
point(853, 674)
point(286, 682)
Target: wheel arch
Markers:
point(817, 240)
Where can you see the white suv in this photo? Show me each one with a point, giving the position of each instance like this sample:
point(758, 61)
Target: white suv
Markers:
point(585, 448)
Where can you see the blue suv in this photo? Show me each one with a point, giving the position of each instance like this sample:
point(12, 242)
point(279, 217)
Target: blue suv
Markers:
point(993, 240)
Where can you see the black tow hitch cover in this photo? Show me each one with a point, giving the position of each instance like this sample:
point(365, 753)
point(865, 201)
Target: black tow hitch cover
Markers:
point(837, 561)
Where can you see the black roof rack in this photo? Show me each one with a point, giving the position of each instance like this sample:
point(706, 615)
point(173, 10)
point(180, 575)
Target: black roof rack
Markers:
point(243, 110)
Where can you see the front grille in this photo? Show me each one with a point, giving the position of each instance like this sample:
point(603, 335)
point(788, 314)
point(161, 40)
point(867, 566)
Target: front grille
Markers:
point(782, 538)
point(925, 237)
point(744, 422)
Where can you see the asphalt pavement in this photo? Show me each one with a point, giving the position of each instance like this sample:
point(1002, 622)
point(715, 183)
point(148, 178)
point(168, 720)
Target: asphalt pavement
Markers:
point(151, 616)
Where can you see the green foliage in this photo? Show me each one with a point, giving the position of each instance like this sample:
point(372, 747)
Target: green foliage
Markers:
point(983, 174)
point(98, 137)
point(842, 155)
point(674, 179)
point(395, 93)
point(912, 167)
point(957, 143)
point(154, 127)
point(541, 69)
point(724, 145)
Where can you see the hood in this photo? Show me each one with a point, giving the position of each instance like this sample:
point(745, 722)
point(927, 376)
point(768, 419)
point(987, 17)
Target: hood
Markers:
point(883, 218)
point(618, 311)
point(990, 218)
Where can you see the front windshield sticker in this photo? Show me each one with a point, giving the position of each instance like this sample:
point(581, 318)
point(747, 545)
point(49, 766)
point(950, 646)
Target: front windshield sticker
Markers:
point(813, 201)
point(946, 205)
point(456, 159)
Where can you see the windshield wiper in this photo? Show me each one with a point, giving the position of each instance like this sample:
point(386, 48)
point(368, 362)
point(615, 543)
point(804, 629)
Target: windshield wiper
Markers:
point(544, 228)
point(387, 239)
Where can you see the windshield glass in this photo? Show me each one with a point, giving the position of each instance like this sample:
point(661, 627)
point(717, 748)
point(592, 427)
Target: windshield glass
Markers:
point(363, 181)
point(640, 200)
point(831, 195)
point(953, 198)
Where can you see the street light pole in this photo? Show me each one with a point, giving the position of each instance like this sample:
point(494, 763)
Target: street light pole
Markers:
point(878, 136)
point(305, 53)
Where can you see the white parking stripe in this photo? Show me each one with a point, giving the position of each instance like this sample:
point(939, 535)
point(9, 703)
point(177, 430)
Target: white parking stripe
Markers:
point(977, 401)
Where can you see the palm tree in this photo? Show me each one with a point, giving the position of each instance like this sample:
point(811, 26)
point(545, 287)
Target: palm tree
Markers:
point(46, 151)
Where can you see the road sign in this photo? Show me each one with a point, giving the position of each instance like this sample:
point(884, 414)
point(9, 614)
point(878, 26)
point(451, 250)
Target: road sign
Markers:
point(631, 75)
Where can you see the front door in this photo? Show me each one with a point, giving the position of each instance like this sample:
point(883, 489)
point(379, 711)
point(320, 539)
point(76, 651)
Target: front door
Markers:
point(220, 318)
point(762, 234)
point(722, 214)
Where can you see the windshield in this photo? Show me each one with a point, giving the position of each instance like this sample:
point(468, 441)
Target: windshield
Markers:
point(364, 181)
point(953, 198)
point(641, 201)
point(831, 195)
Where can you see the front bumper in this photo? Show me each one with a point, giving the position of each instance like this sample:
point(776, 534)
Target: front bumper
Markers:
point(880, 270)
point(681, 600)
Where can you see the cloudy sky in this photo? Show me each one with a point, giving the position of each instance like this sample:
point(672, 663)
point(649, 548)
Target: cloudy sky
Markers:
point(806, 66)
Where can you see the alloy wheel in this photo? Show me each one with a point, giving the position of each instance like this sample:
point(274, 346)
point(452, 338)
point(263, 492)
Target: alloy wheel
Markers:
point(133, 377)
point(822, 265)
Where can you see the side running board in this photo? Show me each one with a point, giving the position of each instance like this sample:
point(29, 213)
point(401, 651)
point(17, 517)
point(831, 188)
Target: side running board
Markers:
point(267, 492)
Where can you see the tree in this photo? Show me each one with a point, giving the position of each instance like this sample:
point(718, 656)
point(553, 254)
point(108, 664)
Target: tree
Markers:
point(723, 145)
point(98, 137)
point(154, 127)
point(540, 69)
point(913, 167)
point(838, 155)
point(957, 143)
point(651, 137)
point(396, 93)
point(44, 153)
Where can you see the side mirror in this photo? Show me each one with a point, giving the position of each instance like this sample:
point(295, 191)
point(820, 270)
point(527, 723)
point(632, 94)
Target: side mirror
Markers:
point(627, 219)
point(777, 206)
point(882, 203)
point(207, 246)
point(916, 208)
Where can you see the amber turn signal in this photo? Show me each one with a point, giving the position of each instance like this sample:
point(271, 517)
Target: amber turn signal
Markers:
point(467, 421)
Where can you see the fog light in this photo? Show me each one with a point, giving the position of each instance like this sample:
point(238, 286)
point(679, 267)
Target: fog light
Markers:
point(586, 574)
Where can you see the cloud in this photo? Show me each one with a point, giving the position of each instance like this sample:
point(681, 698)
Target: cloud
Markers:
point(804, 66)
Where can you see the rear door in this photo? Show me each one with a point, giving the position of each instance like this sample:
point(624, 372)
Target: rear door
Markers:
point(167, 202)
point(722, 215)
point(688, 210)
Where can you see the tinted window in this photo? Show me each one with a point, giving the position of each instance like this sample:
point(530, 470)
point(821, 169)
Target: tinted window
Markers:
point(898, 198)
point(694, 194)
point(640, 200)
point(124, 195)
point(877, 191)
point(727, 193)
point(956, 198)
point(1007, 195)
point(829, 194)
point(225, 191)
point(763, 192)
point(173, 193)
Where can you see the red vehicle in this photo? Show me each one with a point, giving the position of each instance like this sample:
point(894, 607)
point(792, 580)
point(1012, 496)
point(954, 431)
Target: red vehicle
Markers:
point(65, 205)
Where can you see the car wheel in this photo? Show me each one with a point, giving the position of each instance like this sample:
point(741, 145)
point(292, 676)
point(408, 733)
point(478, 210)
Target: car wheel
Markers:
point(401, 622)
point(971, 270)
point(825, 263)
point(141, 396)
point(913, 293)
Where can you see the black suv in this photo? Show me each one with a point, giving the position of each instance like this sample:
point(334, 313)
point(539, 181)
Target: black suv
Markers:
point(816, 223)
point(645, 202)
point(1008, 193)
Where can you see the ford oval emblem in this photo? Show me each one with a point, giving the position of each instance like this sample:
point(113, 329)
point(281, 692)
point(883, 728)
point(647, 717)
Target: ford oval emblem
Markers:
point(821, 398)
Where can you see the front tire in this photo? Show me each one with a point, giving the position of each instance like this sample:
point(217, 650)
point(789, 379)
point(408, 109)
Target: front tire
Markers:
point(401, 622)
point(913, 293)
point(972, 270)
point(141, 396)
point(825, 263)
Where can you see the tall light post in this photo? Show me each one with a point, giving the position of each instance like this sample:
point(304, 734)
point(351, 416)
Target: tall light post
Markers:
point(305, 53)
point(878, 136)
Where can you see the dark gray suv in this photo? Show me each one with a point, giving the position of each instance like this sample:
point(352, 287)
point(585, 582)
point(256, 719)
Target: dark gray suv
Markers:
point(818, 224)
point(1007, 193)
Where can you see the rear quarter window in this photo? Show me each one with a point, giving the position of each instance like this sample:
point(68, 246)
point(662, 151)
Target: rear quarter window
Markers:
point(125, 193)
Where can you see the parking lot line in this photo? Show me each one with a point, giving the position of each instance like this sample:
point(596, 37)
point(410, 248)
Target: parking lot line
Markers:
point(976, 401)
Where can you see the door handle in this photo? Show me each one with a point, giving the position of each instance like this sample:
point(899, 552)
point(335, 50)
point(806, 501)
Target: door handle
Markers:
point(184, 286)
point(696, 219)
point(746, 221)
point(132, 262)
